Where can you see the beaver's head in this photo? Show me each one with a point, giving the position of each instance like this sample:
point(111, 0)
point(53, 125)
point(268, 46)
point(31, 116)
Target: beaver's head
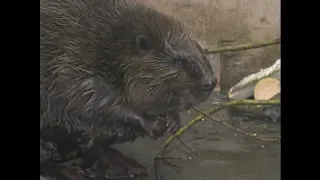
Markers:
point(178, 74)
point(162, 67)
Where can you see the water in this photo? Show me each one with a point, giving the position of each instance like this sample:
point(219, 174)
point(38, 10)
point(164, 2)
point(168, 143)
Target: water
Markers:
point(224, 153)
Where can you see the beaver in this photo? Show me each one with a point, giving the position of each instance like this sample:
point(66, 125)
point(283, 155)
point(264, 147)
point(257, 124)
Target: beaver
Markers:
point(112, 71)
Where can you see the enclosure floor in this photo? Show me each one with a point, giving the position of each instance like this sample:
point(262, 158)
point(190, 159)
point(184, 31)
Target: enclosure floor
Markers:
point(224, 153)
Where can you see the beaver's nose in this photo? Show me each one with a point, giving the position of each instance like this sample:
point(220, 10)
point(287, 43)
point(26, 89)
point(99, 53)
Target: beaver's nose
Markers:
point(208, 84)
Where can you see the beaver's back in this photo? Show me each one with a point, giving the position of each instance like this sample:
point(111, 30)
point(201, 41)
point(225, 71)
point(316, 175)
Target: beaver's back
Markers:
point(89, 29)
point(73, 36)
point(93, 63)
point(70, 27)
point(76, 25)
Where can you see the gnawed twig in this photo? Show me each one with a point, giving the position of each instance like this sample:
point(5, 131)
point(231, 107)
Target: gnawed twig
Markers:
point(199, 118)
point(242, 47)
point(236, 129)
point(165, 158)
point(190, 149)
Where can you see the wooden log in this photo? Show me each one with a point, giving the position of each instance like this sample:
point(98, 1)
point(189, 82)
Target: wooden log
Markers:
point(267, 89)
point(245, 88)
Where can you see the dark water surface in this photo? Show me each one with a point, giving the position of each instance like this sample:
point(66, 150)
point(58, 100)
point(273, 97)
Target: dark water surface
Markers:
point(224, 153)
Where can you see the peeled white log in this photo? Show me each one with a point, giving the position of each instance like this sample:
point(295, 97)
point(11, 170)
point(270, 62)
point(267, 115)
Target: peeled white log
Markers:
point(267, 89)
point(245, 88)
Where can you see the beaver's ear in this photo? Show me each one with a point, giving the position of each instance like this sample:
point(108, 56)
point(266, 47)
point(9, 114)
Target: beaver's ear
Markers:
point(143, 44)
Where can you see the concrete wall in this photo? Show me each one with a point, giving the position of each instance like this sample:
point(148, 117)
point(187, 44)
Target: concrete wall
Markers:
point(240, 21)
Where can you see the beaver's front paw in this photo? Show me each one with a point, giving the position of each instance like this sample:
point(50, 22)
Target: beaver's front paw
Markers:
point(155, 126)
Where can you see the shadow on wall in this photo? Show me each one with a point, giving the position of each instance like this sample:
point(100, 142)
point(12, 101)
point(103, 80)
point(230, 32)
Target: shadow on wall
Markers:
point(219, 22)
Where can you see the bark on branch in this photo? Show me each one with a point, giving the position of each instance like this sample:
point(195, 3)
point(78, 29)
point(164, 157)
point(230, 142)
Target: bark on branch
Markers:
point(159, 156)
point(243, 47)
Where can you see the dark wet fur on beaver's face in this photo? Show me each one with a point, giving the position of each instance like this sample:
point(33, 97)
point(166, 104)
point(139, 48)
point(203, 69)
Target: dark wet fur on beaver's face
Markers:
point(169, 77)
point(128, 55)
point(160, 65)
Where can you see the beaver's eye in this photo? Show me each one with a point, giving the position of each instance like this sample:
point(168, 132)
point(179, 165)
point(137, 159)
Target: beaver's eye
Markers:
point(179, 63)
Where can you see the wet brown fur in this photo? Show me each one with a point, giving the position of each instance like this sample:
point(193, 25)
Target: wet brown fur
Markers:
point(106, 65)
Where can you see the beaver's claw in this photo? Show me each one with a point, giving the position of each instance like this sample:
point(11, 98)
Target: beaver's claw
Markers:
point(173, 122)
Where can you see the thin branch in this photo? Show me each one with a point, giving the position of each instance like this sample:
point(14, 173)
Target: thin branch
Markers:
point(236, 129)
point(174, 166)
point(216, 109)
point(190, 149)
point(199, 118)
point(165, 158)
point(243, 47)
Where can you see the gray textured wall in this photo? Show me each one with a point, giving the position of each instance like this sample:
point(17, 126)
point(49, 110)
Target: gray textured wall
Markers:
point(242, 21)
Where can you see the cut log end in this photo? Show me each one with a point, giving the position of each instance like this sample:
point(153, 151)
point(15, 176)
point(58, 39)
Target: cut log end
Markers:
point(267, 89)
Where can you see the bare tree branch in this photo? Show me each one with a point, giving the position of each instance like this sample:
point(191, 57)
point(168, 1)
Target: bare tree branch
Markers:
point(242, 47)
point(159, 156)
